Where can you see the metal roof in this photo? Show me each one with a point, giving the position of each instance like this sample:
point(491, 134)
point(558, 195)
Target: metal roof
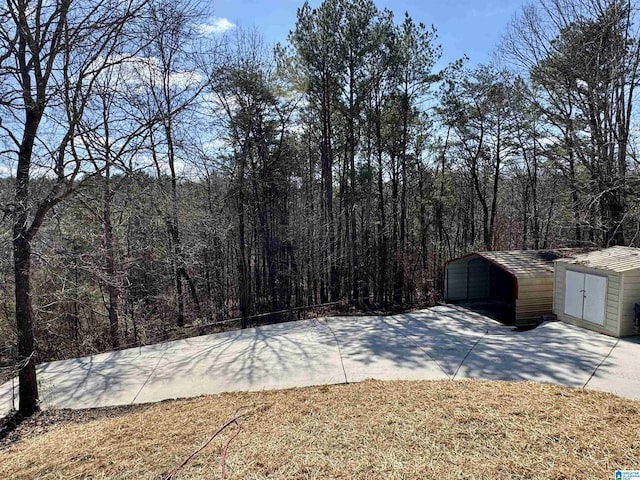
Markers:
point(526, 263)
point(613, 259)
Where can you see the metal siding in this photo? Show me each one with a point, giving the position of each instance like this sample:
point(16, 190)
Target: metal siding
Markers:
point(612, 317)
point(536, 297)
point(479, 279)
point(456, 280)
point(558, 289)
point(555, 282)
point(630, 295)
point(622, 321)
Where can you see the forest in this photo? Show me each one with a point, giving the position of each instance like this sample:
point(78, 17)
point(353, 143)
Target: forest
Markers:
point(154, 177)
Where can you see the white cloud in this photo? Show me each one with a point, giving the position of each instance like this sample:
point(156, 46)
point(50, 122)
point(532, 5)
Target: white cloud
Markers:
point(137, 73)
point(218, 25)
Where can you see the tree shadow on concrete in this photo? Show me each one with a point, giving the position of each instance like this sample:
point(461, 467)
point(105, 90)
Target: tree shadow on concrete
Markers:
point(442, 342)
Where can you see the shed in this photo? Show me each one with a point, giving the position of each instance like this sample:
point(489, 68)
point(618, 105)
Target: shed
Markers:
point(599, 290)
point(516, 287)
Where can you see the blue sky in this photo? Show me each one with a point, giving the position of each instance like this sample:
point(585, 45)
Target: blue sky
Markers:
point(471, 27)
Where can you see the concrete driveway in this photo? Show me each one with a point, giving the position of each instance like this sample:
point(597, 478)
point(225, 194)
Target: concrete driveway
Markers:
point(443, 342)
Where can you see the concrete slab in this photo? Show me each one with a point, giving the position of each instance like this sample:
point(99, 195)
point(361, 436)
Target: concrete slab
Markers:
point(275, 356)
point(371, 349)
point(112, 378)
point(553, 353)
point(444, 342)
point(445, 333)
point(620, 372)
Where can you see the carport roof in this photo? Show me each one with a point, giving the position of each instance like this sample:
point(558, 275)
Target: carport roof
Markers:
point(613, 259)
point(526, 263)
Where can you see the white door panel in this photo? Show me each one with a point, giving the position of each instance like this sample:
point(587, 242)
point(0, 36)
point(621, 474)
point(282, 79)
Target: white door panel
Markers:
point(573, 293)
point(595, 298)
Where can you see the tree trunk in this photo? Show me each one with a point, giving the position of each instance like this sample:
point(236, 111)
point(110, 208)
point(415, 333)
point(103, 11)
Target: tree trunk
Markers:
point(28, 389)
point(397, 265)
point(575, 202)
point(352, 204)
point(174, 228)
point(494, 199)
point(109, 255)
point(382, 229)
point(403, 195)
point(243, 264)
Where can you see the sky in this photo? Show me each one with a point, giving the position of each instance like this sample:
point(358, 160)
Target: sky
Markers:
point(471, 27)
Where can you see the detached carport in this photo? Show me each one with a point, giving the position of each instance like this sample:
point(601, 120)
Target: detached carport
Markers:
point(515, 287)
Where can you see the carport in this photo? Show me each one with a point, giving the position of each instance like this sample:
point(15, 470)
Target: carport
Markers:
point(515, 287)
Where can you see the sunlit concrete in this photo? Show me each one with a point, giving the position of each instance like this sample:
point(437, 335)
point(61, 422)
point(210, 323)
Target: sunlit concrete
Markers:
point(444, 342)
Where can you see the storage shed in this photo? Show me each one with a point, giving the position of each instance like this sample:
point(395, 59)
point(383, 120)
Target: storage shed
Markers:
point(516, 287)
point(599, 290)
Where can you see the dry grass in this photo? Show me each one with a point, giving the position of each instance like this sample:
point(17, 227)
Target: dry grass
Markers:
point(369, 430)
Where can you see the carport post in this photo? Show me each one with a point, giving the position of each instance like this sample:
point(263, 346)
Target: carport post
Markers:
point(468, 263)
point(446, 282)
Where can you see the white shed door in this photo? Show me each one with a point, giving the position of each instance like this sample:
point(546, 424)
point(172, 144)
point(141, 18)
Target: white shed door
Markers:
point(573, 293)
point(585, 296)
point(595, 298)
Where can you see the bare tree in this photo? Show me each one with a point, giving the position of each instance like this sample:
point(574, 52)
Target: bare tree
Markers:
point(483, 127)
point(171, 85)
point(51, 54)
point(253, 117)
point(585, 55)
point(112, 136)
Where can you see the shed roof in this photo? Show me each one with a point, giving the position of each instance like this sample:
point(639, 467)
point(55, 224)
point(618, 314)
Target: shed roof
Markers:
point(613, 259)
point(527, 263)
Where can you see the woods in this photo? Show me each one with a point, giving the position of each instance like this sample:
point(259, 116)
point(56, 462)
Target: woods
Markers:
point(155, 176)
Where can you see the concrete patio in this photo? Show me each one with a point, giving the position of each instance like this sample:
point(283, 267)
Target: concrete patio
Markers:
point(443, 342)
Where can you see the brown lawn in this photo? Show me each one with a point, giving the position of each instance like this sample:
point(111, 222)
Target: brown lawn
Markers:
point(369, 430)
